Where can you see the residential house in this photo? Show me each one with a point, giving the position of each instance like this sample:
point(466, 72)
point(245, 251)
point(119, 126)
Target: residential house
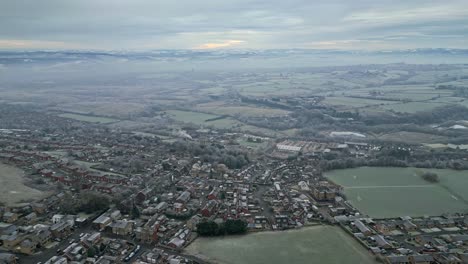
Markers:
point(9, 217)
point(39, 208)
point(61, 230)
point(176, 242)
point(27, 246)
point(421, 259)
point(102, 222)
point(362, 227)
point(193, 222)
point(122, 227)
point(30, 218)
point(10, 241)
point(323, 193)
point(382, 242)
point(43, 237)
point(209, 208)
point(184, 197)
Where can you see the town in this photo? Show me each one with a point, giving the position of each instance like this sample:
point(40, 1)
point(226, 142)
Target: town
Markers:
point(115, 196)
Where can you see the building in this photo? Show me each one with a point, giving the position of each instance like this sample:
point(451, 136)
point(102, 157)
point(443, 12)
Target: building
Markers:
point(184, 197)
point(362, 227)
point(176, 242)
point(43, 237)
point(209, 209)
point(27, 246)
point(102, 222)
point(323, 193)
point(10, 217)
point(122, 227)
point(61, 230)
point(421, 259)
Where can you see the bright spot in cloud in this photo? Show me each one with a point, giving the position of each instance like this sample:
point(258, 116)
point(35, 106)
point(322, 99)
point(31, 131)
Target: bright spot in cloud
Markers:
point(217, 45)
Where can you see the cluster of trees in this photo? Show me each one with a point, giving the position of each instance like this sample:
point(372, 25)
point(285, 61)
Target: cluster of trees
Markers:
point(230, 227)
point(213, 153)
point(431, 177)
point(88, 202)
point(344, 163)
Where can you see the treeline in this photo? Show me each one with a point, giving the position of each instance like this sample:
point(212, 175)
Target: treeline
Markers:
point(213, 153)
point(88, 202)
point(334, 161)
point(230, 227)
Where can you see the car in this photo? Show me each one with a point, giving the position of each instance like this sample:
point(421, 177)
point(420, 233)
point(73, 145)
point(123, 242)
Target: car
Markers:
point(71, 241)
point(82, 234)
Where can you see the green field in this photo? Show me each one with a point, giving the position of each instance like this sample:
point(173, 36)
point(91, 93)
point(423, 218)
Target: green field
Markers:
point(392, 192)
point(190, 117)
point(354, 102)
point(413, 137)
point(198, 118)
point(12, 188)
point(242, 110)
point(319, 244)
point(91, 119)
point(412, 107)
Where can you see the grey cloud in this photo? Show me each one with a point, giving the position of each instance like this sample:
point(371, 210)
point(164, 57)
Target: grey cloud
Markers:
point(141, 24)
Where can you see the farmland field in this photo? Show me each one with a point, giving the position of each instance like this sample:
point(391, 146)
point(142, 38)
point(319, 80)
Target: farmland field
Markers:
point(91, 119)
point(12, 189)
point(241, 110)
point(412, 107)
point(354, 102)
point(413, 137)
point(392, 192)
point(318, 244)
point(224, 123)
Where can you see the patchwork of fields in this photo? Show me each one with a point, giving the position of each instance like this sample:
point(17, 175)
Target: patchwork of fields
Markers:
point(211, 120)
point(392, 192)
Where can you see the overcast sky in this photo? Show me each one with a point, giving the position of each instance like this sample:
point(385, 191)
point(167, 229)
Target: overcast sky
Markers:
point(239, 24)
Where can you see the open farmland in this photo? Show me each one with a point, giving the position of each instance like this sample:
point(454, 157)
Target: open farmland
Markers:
point(242, 110)
point(412, 107)
point(413, 137)
point(393, 192)
point(12, 188)
point(354, 102)
point(90, 119)
point(206, 120)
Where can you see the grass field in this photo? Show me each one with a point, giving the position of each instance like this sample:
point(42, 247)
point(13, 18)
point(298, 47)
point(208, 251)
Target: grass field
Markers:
point(12, 189)
point(190, 117)
point(413, 137)
point(224, 123)
point(392, 192)
point(319, 244)
point(412, 107)
point(90, 119)
point(247, 111)
point(354, 102)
